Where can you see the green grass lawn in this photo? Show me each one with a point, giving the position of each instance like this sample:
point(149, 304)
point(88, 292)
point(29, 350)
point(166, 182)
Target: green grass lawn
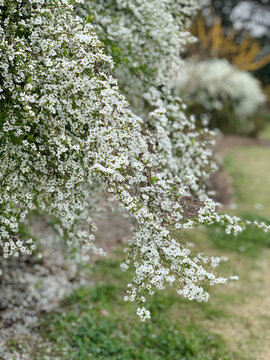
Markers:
point(265, 133)
point(250, 169)
point(95, 323)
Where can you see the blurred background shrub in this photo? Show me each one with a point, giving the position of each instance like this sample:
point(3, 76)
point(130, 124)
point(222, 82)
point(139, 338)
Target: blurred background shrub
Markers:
point(225, 80)
point(220, 95)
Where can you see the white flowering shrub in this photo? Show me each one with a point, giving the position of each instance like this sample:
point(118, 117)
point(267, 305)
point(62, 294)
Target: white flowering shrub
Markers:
point(229, 98)
point(145, 39)
point(65, 130)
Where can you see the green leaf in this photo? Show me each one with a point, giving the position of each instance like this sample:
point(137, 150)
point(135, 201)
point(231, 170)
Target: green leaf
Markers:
point(154, 180)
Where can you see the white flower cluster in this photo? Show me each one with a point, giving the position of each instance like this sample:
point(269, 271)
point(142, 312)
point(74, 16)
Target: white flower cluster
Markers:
point(65, 129)
point(145, 39)
point(214, 83)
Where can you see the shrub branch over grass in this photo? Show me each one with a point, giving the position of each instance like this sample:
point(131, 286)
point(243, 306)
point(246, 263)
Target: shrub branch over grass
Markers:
point(66, 131)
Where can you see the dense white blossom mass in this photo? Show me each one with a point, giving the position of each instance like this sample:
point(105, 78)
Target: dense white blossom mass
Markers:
point(65, 127)
point(144, 38)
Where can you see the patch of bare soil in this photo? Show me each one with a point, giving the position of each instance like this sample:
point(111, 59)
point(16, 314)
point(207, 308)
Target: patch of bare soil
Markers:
point(221, 183)
point(113, 227)
point(226, 143)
